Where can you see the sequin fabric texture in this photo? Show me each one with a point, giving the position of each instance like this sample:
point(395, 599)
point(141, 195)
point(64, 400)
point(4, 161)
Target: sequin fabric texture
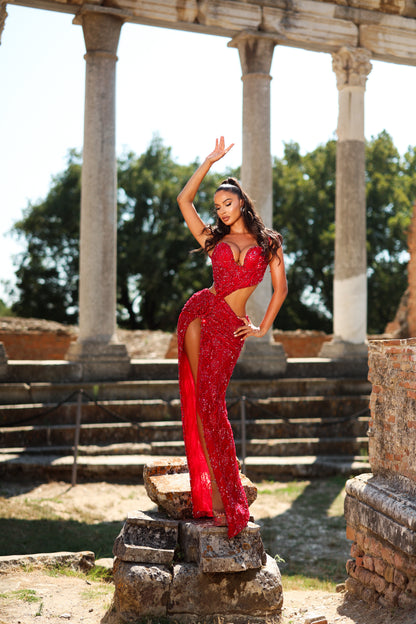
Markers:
point(218, 354)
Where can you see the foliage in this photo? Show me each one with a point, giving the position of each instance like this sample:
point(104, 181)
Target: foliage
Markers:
point(304, 200)
point(47, 274)
point(5, 310)
point(156, 272)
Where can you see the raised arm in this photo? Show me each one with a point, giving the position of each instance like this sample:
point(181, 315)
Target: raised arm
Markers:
point(187, 195)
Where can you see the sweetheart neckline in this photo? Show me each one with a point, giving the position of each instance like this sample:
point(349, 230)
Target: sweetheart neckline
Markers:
point(231, 251)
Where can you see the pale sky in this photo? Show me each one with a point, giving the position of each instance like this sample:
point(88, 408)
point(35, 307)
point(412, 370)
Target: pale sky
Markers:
point(186, 87)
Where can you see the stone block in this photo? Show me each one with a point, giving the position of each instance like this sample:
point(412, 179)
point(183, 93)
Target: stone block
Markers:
point(316, 26)
point(147, 538)
point(209, 547)
point(368, 563)
point(391, 594)
point(140, 589)
point(374, 503)
point(251, 596)
point(356, 551)
point(108, 361)
point(164, 465)
point(390, 39)
point(83, 560)
point(260, 359)
point(399, 579)
point(406, 601)
point(379, 566)
point(411, 586)
point(167, 484)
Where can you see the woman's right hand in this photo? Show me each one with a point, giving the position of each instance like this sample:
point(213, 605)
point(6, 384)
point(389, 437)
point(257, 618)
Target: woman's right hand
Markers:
point(219, 151)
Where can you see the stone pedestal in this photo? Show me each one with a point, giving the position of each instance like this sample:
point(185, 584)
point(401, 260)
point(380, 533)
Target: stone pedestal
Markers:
point(167, 484)
point(263, 359)
point(260, 357)
point(97, 348)
point(188, 571)
point(352, 66)
point(380, 508)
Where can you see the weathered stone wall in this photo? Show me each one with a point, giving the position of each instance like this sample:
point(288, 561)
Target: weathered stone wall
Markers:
point(380, 508)
point(392, 428)
point(411, 276)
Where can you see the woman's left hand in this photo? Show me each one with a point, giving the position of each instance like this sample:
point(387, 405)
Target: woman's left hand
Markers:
point(248, 329)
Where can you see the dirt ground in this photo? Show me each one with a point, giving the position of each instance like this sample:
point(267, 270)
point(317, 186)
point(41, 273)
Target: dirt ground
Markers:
point(74, 599)
point(61, 598)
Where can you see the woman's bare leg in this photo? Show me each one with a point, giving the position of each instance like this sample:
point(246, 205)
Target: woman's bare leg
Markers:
point(191, 347)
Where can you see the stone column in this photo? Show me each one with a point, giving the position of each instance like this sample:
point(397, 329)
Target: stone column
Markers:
point(97, 348)
point(260, 356)
point(352, 67)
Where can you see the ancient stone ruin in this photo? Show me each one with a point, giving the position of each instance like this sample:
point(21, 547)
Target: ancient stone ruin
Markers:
point(169, 565)
point(380, 508)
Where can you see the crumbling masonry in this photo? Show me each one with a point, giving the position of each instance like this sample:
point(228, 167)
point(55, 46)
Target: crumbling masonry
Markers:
point(380, 508)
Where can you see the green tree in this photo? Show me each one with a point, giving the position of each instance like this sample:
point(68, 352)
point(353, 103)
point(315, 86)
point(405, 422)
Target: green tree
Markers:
point(5, 309)
point(391, 191)
point(304, 201)
point(156, 270)
point(47, 274)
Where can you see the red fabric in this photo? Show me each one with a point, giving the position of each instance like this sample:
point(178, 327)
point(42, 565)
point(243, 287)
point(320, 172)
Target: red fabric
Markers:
point(230, 276)
point(218, 354)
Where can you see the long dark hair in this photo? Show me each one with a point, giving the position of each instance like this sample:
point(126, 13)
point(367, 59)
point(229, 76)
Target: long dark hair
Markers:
point(267, 239)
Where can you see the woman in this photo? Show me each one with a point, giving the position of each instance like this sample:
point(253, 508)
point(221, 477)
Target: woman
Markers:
point(212, 328)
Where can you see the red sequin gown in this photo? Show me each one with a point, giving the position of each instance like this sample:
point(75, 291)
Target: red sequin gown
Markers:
point(218, 354)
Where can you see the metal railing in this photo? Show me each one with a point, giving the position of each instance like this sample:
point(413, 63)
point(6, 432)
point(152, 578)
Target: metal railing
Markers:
point(243, 402)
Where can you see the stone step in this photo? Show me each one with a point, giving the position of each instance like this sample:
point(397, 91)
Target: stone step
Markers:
point(158, 409)
point(106, 412)
point(171, 430)
point(99, 433)
point(257, 447)
point(281, 447)
point(129, 468)
point(167, 390)
point(59, 371)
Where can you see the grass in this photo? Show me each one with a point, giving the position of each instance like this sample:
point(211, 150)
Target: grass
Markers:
point(27, 595)
point(309, 538)
point(307, 531)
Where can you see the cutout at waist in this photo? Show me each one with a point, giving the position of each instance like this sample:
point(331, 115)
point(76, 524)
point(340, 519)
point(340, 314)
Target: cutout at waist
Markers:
point(236, 300)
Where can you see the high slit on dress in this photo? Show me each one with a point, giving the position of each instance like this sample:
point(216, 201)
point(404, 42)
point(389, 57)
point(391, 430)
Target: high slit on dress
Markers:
point(218, 353)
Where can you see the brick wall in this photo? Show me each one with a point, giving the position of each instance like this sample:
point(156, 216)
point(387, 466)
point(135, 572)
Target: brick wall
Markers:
point(301, 344)
point(36, 345)
point(392, 428)
point(380, 508)
point(379, 572)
